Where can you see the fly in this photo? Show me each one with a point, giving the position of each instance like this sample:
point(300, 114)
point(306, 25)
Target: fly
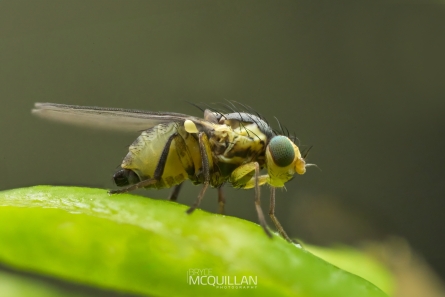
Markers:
point(220, 148)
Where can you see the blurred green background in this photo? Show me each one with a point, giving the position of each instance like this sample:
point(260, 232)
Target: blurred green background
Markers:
point(361, 81)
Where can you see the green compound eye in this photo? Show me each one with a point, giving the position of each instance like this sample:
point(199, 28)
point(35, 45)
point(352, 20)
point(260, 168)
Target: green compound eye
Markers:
point(282, 151)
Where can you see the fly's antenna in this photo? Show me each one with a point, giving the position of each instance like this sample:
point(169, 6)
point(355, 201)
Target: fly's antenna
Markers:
point(304, 154)
point(312, 165)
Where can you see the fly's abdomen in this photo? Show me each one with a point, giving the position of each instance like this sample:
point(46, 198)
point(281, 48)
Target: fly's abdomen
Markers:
point(145, 154)
point(125, 177)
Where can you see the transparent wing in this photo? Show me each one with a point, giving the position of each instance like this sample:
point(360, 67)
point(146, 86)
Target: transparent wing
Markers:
point(116, 119)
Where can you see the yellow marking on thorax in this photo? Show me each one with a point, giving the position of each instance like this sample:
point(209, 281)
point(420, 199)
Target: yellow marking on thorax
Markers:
point(243, 142)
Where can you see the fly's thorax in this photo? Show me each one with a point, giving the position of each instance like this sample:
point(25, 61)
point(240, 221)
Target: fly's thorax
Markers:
point(214, 140)
point(220, 138)
point(242, 120)
point(238, 144)
point(283, 160)
point(250, 129)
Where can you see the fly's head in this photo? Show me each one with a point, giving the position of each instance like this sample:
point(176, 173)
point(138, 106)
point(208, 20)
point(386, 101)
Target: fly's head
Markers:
point(283, 160)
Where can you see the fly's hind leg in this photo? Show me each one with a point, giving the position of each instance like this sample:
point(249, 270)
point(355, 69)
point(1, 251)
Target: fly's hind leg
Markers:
point(174, 194)
point(204, 150)
point(157, 174)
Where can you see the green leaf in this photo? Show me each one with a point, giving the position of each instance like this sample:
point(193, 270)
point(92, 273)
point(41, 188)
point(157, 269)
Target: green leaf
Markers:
point(347, 258)
point(134, 244)
point(12, 285)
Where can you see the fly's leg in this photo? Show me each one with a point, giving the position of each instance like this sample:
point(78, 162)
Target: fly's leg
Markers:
point(259, 211)
point(274, 218)
point(239, 179)
point(221, 200)
point(174, 194)
point(205, 155)
point(198, 201)
point(157, 174)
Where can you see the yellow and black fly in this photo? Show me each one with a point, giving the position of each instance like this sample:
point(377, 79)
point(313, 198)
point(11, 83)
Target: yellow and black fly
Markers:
point(221, 148)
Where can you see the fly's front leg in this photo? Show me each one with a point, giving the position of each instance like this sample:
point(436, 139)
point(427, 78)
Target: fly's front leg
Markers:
point(207, 163)
point(274, 219)
point(158, 171)
point(259, 211)
point(241, 177)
